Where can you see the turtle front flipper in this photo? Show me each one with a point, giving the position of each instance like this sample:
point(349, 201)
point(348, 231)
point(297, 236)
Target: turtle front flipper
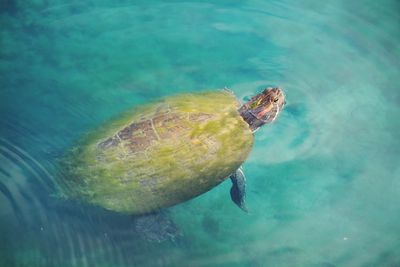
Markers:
point(238, 189)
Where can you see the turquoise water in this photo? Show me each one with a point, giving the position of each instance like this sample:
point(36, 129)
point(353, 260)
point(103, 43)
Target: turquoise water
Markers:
point(323, 180)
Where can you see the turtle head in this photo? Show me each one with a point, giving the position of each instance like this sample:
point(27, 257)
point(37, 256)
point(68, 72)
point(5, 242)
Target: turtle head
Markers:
point(263, 108)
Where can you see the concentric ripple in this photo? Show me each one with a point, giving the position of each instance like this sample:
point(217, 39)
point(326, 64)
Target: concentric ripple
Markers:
point(323, 187)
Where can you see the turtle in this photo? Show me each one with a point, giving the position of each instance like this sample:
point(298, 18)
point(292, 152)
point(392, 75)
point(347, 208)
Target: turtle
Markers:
point(169, 151)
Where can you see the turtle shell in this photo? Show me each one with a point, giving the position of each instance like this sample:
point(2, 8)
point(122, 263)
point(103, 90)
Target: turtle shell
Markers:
point(159, 154)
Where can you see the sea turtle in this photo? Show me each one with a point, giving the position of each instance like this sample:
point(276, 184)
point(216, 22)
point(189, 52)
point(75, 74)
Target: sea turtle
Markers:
point(170, 151)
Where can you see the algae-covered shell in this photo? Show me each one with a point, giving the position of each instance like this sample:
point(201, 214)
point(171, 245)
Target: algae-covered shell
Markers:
point(159, 154)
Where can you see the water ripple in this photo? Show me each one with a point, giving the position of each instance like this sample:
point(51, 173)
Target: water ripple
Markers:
point(29, 207)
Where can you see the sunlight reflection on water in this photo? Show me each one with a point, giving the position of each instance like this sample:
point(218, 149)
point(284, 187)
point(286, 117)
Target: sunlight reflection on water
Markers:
point(322, 180)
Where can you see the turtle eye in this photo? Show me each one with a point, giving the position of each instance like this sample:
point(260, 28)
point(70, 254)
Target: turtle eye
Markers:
point(276, 99)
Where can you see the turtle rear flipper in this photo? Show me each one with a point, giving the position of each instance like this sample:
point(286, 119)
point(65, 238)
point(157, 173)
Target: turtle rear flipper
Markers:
point(156, 227)
point(238, 189)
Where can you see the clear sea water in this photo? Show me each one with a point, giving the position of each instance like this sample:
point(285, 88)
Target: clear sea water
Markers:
point(323, 180)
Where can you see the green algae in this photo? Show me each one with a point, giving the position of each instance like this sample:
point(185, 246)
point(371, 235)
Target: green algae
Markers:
point(170, 170)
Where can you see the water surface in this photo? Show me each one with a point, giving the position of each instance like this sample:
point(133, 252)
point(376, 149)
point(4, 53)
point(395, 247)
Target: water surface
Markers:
point(323, 181)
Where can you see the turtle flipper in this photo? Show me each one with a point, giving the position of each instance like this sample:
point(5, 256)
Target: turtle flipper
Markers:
point(238, 189)
point(156, 227)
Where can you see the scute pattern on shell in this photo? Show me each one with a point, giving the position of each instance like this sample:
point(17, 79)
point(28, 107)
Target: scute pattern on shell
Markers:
point(140, 135)
point(160, 154)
